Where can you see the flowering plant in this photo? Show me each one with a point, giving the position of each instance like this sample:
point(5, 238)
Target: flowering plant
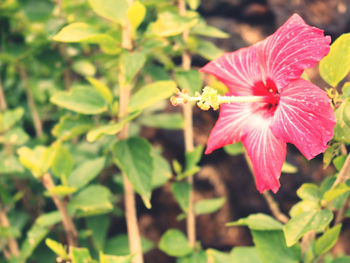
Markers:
point(289, 108)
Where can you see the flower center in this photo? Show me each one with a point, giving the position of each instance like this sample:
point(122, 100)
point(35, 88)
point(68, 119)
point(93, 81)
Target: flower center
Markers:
point(271, 94)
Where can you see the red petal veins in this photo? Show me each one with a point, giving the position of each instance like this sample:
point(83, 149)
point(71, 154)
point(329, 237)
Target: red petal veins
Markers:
point(227, 130)
point(266, 152)
point(304, 117)
point(284, 55)
point(238, 70)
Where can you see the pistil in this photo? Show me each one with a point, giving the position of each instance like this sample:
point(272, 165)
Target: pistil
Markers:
point(211, 99)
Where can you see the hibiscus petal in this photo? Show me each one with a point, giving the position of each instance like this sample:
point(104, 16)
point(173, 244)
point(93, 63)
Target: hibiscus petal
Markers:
point(266, 152)
point(238, 70)
point(304, 117)
point(284, 55)
point(227, 130)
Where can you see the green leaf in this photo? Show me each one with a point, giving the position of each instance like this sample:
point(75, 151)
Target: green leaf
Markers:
point(339, 190)
point(289, 168)
point(203, 29)
point(174, 243)
point(171, 121)
point(339, 161)
point(342, 128)
point(193, 4)
point(82, 99)
point(63, 190)
point(327, 240)
point(196, 257)
point(92, 200)
point(99, 227)
point(104, 91)
point(172, 24)
point(84, 33)
point(76, 32)
point(109, 9)
point(9, 232)
point(9, 118)
point(119, 245)
point(111, 128)
point(243, 255)
point(10, 164)
point(258, 222)
point(336, 65)
point(32, 159)
point(58, 248)
point(305, 222)
point(193, 157)
point(346, 89)
point(234, 149)
point(133, 157)
point(161, 170)
point(151, 94)
point(181, 191)
point(62, 163)
point(271, 247)
point(80, 255)
point(344, 259)
point(131, 63)
point(84, 67)
point(136, 13)
point(86, 172)
point(115, 259)
point(36, 234)
point(49, 219)
point(216, 256)
point(309, 192)
point(328, 155)
point(39, 12)
point(208, 50)
point(304, 206)
point(190, 80)
point(70, 126)
point(208, 206)
point(15, 136)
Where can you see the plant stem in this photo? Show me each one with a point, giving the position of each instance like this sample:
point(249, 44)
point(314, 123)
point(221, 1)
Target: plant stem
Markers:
point(341, 214)
point(129, 195)
point(31, 103)
point(66, 72)
point(342, 177)
point(306, 240)
point(188, 134)
point(275, 210)
point(11, 242)
point(3, 104)
point(68, 224)
point(271, 203)
point(344, 173)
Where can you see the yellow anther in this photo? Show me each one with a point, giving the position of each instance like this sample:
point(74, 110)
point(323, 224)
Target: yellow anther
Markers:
point(173, 101)
point(209, 99)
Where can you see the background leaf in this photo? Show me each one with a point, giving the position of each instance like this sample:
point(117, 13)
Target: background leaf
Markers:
point(336, 65)
point(271, 247)
point(82, 99)
point(258, 222)
point(150, 94)
point(133, 156)
point(110, 10)
point(174, 243)
point(305, 222)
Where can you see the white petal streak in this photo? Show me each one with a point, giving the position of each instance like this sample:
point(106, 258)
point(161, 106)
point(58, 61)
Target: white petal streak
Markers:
point(266, 152)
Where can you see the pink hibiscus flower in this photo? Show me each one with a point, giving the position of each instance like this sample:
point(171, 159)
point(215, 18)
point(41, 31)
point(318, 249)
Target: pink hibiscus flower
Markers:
point(293, 111)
